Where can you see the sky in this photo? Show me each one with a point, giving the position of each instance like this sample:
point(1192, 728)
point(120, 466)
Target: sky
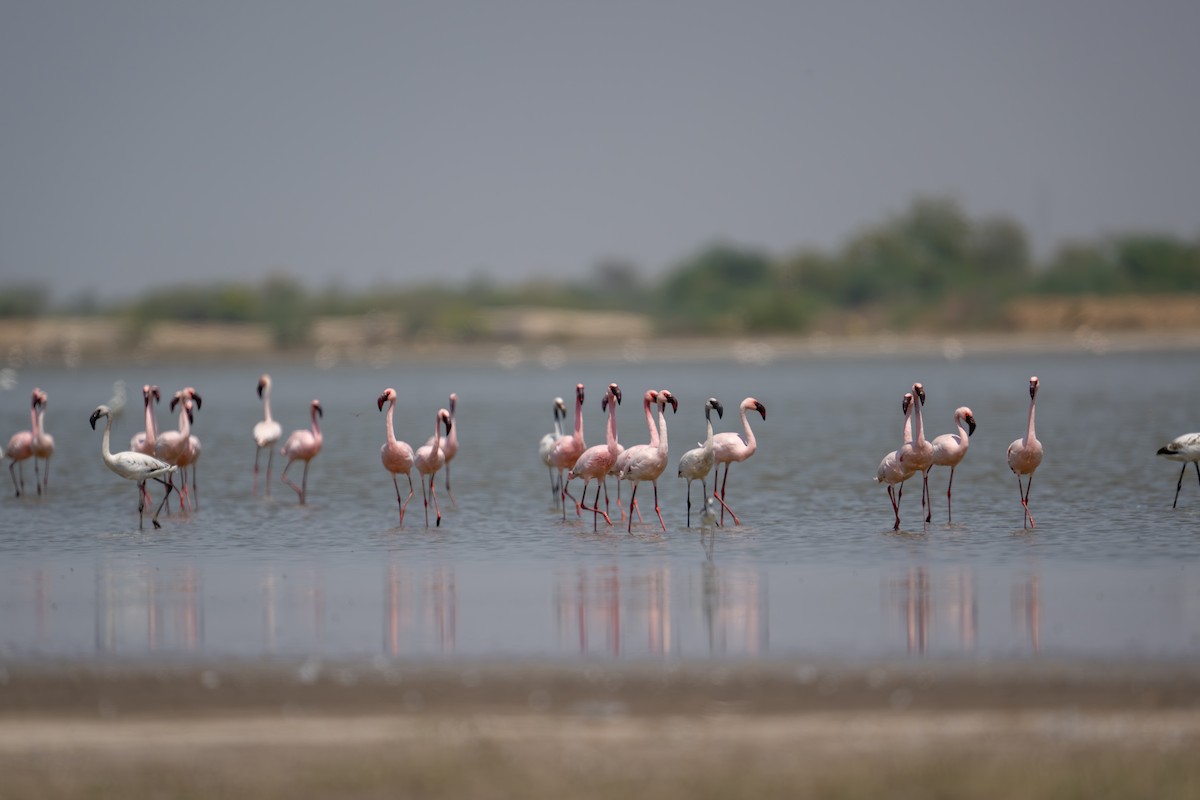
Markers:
point(359, 143)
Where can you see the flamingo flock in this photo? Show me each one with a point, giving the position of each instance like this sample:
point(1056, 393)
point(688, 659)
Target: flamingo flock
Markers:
point(160, 455)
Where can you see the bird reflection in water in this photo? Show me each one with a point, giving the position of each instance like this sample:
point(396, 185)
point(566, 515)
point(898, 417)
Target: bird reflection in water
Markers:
point(1027, 608)
point(421, 611)
point(734, 601)
point(925, 605)
point(300, 595)
point(167, 605)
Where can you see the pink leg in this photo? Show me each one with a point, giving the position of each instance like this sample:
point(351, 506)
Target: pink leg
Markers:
point(254, 483)
point(657, 510)
point(595, 509)
point(437, 509)
point(895, 505)
point(632, 506)
point(948, 486)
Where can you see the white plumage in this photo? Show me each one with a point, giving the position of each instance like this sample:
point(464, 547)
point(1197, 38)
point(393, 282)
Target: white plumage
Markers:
point(131, 466)
point(1185, 448)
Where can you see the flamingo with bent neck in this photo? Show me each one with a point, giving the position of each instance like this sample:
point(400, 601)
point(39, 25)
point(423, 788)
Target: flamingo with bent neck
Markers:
point(303, 445)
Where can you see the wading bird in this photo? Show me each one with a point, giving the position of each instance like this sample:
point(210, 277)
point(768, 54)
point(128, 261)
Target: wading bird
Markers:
point(1025, 454)
point(696, 463)
point(647, 464)
point(397, 456)
point(429, 458)
point(730, 447)
point(949, 448)
point(133, 466)
point(567, 451)
point(891, 469)
point(917, 454)
point(266, 433)
point(1184, 448)
point(20, 446)
point(595, 462)
point(449, 447)
point(649, 401)
point(303, 445)
point(42, 444)
point(546, 447)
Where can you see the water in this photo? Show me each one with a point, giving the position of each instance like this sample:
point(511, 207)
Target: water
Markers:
point(815, 571)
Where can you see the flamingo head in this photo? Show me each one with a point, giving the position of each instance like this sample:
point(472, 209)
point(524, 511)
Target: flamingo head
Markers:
point(615, 391)
point(966, 415)
point(919, 392)
point(713, 404)
point(453, 403)
point(101, 411)
point(579, 394)
point(560, 409)
point(388, 394)
point(264, 383)
point(446, 420)
point(1033, 387)
point(146, 392)
point(907, 403)
point(191, 393)
point(40, 398)
point(750, 402)
point(316, 408)
point(665, 396)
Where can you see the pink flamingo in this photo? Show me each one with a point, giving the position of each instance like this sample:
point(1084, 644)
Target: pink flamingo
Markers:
point(20, 446)
point(143, 441)
point(172, 446)
point(1025, 454)
point(696, 463)
point(397, 456)
point(567, 451)
point(917, 454)
point(624, 458)
point(595, 462)
point(429, 458)
point(730, 447)
point(647, 464)
point(950, 448)
point(891, 470)
point(42, 445)
point(546, 447)
point(449, 444)
point(303, 445)
point(266, 433)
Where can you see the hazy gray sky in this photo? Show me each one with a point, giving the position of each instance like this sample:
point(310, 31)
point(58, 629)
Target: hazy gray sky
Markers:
point(362, 142)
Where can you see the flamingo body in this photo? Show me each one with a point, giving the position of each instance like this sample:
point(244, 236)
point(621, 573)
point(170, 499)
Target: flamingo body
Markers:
point(266, 433)
point(696, 463)
point(732, 448)
point(303, 445)
point(949, 449)
point(430, 458)
point(1185, 448)
point(133, 466)
point(1025, 455)
point(595, 462)
point(397, 456)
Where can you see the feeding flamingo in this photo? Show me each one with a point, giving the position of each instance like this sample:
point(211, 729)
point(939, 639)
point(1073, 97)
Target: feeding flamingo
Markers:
point(546, 447)
point(567, 451)
point(891, 470)
point(647, 463)
point(1025, 454)
point(303, 445)
point(917, 454)
point(595, 462)
point(1185, 448)
point(950, 448)
point(730, 447)
point(42, 444)
point(20, 446)
point(266, 433)
point(429, 458)
point(397, 456)
point(133, 466)
point(696, 463)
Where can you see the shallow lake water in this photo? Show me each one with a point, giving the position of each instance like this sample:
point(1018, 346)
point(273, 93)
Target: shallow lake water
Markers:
point(1111, 572)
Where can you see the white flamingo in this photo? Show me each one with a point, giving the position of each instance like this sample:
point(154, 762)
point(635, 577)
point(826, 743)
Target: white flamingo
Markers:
point(950, 448)
point(546, 447)
point(1025, 454)
point(917, 455)
point(303, 444)
point(595, 462)
point(1185, 448)
point(429, 458)
point(266, 433)
point(20, 446)
point(891, 470)
point(133, 466)
point(648, 463)
point(42, 444)
point(730, 447)
point(567, 451)
point(696, 463)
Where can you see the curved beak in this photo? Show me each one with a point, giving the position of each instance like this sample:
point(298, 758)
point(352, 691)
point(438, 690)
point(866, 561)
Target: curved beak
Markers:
point(379, 402)
point(971, 425)
point(97, 415)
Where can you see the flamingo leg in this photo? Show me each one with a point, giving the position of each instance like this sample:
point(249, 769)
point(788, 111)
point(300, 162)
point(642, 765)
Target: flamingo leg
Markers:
point(19, 469)
point(452, 500)
point(1023, 492)
point(270, 458)
point(595, 509)
point(895, 504)
point(657, 510)
point(170, 486)
point(436, 508)
point(254, 484)
point(689, 501)
point(926, 500)
point(722, 495)
point(948, 485)
point(632, 505)
point(553, 488)
point(1179, 485)
point(195, 491)
point(304, 484)
point(399, 502)
point(578, 503)
point(142, 495)
point(283, 477)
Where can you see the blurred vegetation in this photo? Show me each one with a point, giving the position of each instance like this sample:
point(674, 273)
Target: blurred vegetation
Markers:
point(927, 267)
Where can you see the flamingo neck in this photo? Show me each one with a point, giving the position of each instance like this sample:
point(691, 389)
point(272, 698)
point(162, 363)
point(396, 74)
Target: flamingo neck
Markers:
point(316, 428)
point(650, 424)
point(33, 421)
point(151, 432)
point(267, 403)
point(185, 426)
point(557, 425)
point(662, 425)
point(105, 452)
point(963, 434)
point(1029, 435)
point(437, 437)
point(920, 420)
point(578, 420)
point(906, 436)
point(751, 442)
point(611, 432)
point(391, 431)
point(708, 432)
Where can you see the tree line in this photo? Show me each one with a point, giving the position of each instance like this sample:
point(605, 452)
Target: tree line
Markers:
point(930, 265)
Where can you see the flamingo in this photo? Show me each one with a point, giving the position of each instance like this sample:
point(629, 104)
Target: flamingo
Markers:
point(595, 462)
point(730, 447)
point(696, 463)
point(1025, 454)
point(133, 466)
point(20, 446)
point(397, 456)
point(266, 433)
point(546, 446)
point(143, 441)
point(172, 446)
point(303, 445)
point(917, 454)
point(42, 444)
point(891, 470)
point(647, 464)
point(649, 400)
point(449, 444)
point(949, 448)
point(429, 458)
point(1185, 448)
point(568, 449)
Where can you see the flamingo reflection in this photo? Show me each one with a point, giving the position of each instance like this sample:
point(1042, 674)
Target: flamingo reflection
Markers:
point(926, 605)
point(420, 608)
point(1027, 609)
point(167, 606)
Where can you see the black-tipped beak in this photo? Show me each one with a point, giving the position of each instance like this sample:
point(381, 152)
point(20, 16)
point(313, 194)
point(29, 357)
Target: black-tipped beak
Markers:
point(196, 397)
point(320, 411)
point(1162, 451)
point(971, 425)
point(604, 403)
point(260, 389)
point(379, 402)
point(761, 409)
point(174, 402)
point(720, 409)
point(96, 415)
